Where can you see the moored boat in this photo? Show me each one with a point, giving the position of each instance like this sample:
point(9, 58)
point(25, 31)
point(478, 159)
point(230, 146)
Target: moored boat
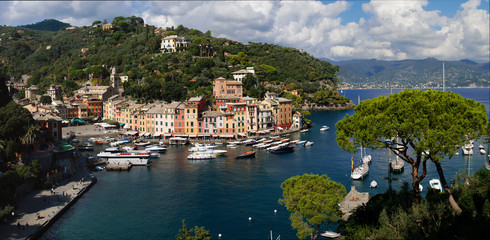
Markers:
point(302, 142)
point(86, 146)
point(200, 156)
point(249, 154)
point(397, 165)
point(141, 144)
point(436, 184)
point(303, 130)
point(283, 149)
point(360, 171)
point(136, 158)
point(330, 234)
point(324, 128)
point(373, 184)
point(309, 143)
point(155, 148)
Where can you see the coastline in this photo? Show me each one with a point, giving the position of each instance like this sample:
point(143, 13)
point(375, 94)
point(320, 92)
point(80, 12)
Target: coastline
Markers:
point(39, 209)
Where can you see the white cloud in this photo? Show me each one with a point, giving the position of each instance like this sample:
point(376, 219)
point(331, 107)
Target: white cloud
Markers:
point(390, 30)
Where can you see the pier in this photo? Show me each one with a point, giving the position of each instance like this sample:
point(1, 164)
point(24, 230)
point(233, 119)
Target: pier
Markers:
point(118, 167)
point(351, 201)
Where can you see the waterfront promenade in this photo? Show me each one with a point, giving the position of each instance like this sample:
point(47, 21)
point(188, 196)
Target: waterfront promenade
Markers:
point(38, 209)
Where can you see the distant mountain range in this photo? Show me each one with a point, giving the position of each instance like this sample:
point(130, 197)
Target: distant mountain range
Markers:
point(426, 73)
point(52, 25)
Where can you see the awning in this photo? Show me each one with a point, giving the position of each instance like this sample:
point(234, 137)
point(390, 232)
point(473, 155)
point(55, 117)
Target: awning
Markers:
point(142, 134)
point(180, 135)
point(192, 135)
point(156, 134)
point(204, 135)
point(280, 128)
point(226, 136)
point(126, 127)
point(177, 138)
point(167, 134)
point(242, 134)
point(131, 132)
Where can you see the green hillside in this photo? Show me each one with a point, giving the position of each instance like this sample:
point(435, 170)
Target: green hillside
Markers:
point(69, 57)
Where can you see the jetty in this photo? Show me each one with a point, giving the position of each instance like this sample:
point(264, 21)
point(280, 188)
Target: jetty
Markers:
point(351, 201)
point(118, 167)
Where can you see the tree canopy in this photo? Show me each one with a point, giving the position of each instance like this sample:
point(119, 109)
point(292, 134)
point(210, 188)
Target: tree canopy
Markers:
point(429, 125)
point(196, 233)
point(313, 202)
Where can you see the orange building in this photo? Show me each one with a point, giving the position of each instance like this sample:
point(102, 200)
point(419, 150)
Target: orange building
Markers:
point(224, 88)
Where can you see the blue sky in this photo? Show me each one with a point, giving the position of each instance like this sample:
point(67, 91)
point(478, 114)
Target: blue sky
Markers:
point(337, 30)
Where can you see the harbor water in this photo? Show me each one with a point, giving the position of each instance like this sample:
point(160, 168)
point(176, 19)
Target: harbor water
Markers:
point(221, 194)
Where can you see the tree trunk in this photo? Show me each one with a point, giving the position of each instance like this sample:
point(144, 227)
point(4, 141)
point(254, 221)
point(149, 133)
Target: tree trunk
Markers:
point(416, 181)
point(453, 202)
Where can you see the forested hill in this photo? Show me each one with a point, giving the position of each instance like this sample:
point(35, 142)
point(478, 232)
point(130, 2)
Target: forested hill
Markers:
point(413, 73)
point(48, 25)
point(69, 57)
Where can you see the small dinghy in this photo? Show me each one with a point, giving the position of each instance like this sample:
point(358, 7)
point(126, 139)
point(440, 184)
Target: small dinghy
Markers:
point(373, 184)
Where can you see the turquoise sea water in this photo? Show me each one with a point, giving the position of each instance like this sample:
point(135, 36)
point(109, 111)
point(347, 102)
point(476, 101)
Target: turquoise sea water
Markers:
point(150, 202)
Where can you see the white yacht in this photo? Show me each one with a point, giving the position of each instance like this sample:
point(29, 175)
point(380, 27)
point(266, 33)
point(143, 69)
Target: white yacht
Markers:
point(136, 158)
point(324, 128)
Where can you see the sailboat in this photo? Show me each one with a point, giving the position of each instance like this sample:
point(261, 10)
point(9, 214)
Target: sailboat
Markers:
point(398, 164)
point(360, 171)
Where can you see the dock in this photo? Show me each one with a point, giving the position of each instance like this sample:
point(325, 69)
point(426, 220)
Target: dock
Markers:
point(118, 167)
point(351, 201)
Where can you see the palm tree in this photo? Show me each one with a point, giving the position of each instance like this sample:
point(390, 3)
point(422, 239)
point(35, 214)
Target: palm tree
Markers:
point(32, 135)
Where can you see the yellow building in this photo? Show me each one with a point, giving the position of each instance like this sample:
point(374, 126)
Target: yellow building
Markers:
point(191, 114)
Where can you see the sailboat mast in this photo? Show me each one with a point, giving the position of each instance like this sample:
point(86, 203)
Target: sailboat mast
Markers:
point(443, 78)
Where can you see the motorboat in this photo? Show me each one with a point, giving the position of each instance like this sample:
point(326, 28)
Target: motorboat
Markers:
point(481, 147)
point(295, 142)
point(302, 142)
point(264, 146)
point(136, 158)
point(483, 152)
point(308, 144)
point(467, 149)
point(113, 149)
point(421, 188)
point(155, 148)
point(86, 146)
point(373, 184)
point(324, 128)
point(231, 146)
point(249, 154)
point(330, 234)
point(75, 140)
point(214, 152)
point(141, 144)
point(201, 148)
point(304, 130)
point(283, 149)
point(436, 184)
point(200, 156)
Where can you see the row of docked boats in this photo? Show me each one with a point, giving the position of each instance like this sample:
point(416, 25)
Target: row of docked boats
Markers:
point(130, 155)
